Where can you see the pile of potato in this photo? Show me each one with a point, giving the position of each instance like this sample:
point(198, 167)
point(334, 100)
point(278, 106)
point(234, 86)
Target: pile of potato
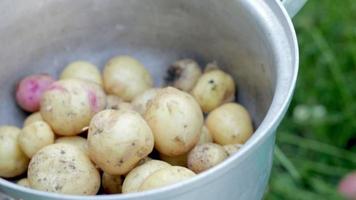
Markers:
point(115, 133)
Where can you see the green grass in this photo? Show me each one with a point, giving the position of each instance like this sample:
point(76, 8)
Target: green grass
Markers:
point(316, 142)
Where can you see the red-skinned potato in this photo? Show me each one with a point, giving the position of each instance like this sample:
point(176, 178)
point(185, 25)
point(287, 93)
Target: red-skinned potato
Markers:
point(126, 77)
point(68, 105)
point(176, 121)
point(230, 124)
point(118, 140)
point(30, 89)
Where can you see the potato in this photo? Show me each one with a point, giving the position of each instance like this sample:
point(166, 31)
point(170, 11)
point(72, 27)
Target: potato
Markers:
point(137, 176)
point(34, 137)
point(206, 156)
point(116, 103)
point(30, 90)
point(214, 88)
point(23, 182)
point(82, 70)
point(63, 168)
point(34, 117)
point(230, 124)
point(231, 149)
point(77, 141)
point(139, 103)
point(184, 74)
point(180, 160)
point(176, 121)
point(13, 161)
point(166, 176)
point(68, 105)
point(118, 140)
point(112, 184)
point(126, 77)
point(205, 136)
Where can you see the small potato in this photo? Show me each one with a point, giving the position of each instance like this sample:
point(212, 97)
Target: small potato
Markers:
point(126, 77)
point(116, 103)
point(63, 168)
point(13, 161)
point(205, 136)
point(176, 121)
point(184, 74)
point(34, 117)
point(141, 101)
point(231, 149)
point(166, 176)
point(180, 160)
point(206, 156)
point(68, 105)
point(118, 140)
point(214, 88)
point(30, 89)
point(76, 141)
point(137, 176)
point(230, 124)
point(23, 182)
point(82, 70)
point(112, 184)
point(34, 137)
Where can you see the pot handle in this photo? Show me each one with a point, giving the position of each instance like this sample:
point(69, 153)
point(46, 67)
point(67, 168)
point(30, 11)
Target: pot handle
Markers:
point(293, 6)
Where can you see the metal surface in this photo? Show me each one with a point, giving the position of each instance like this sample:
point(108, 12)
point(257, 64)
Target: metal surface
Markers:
point(293, 6)
point(252, 40)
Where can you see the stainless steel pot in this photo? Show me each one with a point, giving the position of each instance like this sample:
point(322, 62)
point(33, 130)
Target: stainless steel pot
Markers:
point(254, 40)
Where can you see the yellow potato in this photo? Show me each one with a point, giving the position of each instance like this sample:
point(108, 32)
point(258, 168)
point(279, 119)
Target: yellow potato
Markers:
point(166, 176)
point(23, 182)
point(180, 160)
point(82, 70)
point(34, 117)
point(205, 136)
point(140, 102)
point(118, 140)
point(176, 121)
point(34, 137)
point(231, 149)
point(13, 161)
point(184, 74)
point(206, 156)
point(112, 184)
point(137, 176)
point(68, 105)
point(63, 168)
point(76, 141)
point(230, 124)
point(126, 77)
point(214, 88)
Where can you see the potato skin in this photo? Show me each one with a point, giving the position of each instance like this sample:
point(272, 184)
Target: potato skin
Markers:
point(76, 141)
point(205, 136)
point(230, 124)
point(137, 176)
point(64, 169)
point(82, 70)
point(166, 176)
point(118, 140)
point(34, 117)
point(176, 121)
point(34, 137)
point(68, 105)
point(13, 161)
point(126, 77)
point(23, 182)
point(30, 90)
point(206, 156)
point(140, 102)
point(112, 184)
point(116, 103)
point(214, 88)
point(231, 149)
point(183, 74)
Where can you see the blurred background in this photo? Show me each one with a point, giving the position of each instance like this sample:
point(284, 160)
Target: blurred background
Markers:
point(316, 142)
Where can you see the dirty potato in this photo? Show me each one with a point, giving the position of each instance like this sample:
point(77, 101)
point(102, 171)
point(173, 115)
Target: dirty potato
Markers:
point(34, 117)
point(231, 149)
point(205, 136)
point(139, 103)
point(118, 140)
point(82, 70)
point(77, 141)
